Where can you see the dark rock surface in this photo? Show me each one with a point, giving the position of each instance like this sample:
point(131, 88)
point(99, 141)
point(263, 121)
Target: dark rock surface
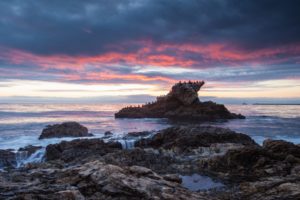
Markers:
point(108, 133)
point(139, 134)
point(92, 169)
point(189, 137)
point(268, 172)
point(66, 129)
point(30, 149)
point(7, 158)
point(275, 158)
point(158, 162)
point(182, 103)
point(94, 180)
point(80, 149)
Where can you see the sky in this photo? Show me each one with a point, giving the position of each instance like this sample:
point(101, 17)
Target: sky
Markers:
point(133, 50)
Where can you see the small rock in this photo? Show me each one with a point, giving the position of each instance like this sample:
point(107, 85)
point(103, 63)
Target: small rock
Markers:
point(66, 129)
point(108, 133)
point(173, 178)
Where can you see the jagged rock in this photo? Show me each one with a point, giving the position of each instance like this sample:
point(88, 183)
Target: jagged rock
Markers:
point(190, 137)
point(66, 129)
point(7, 158)
point(275, 158)
point(282, 147)
point(153, 160)
point(271, 188)
point(182, 103)
point(80, 149)
point(186, 93)
point(92, 169)
point(94, 180)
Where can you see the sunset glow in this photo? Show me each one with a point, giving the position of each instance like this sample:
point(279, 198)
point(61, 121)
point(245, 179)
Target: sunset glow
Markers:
point(91, 54)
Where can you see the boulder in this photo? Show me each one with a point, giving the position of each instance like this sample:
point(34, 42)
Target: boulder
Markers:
point(7, 158)
point(181, 103)
point(79, 149)
point(66, 129)
point(108, 133)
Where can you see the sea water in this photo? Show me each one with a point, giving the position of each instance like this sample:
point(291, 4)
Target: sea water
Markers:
point(21, 124)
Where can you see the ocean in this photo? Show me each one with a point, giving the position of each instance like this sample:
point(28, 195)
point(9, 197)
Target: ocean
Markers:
point(21, 124)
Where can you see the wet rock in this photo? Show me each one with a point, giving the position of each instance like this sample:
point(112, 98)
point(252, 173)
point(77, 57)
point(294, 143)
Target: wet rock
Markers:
point(252, 163)
point(80, 149)
point(7, 158)
point(94, 180)
point(173, 177)
point(190, 137)
point(66, 129)
point(151, 159)
point(282, 147)
point(270, 188)
point(70, 195)
point(139, 134)
point(30, 149)
point(108, 133)
point(182, 103)
point(133, 182)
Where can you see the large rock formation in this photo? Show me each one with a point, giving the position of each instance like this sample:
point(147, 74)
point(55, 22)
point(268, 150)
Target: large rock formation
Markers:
point(181, 102)
point(66, 129)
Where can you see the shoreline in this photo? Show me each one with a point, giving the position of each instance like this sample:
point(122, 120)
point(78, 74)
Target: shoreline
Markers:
point(169, 155)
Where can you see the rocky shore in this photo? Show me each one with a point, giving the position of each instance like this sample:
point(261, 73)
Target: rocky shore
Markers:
point(181, 103)
point(94, 169)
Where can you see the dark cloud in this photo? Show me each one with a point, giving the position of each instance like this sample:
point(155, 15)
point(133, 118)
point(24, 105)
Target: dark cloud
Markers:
point(90, 27)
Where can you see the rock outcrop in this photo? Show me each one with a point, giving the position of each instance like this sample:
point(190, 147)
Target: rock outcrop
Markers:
point(66, 129)
point(182, 103)
point(29, 150)
point(274, 158)
point(268, 172)
point(78, 150)
point(7, 158)
point(191, 137)
point(93, 169)
point(94, 180)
